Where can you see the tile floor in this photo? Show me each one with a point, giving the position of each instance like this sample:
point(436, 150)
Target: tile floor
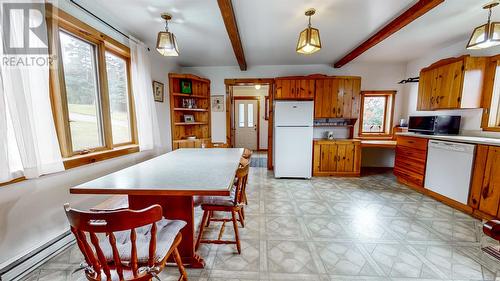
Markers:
point(368, 228)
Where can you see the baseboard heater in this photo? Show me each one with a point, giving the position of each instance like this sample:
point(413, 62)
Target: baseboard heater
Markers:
point(37, 257)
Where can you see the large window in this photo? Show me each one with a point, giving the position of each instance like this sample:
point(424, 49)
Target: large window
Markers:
point(91, 89)
point(377, 112)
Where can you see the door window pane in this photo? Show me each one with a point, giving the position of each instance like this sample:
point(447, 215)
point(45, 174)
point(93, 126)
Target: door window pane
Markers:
point(250, 115)
point(80, 77)
point(241, 115)
point(116, 70)
point(374, 114)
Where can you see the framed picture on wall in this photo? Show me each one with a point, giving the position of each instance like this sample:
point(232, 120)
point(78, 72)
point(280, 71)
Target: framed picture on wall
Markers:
point(218, 103)
point(158, 91)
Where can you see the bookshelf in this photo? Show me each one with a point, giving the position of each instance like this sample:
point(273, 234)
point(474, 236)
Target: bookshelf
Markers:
point(185, 105)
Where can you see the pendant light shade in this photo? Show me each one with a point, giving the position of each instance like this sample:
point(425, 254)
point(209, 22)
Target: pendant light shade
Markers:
point(309, 41)
point(486, 35)
point(166, 43)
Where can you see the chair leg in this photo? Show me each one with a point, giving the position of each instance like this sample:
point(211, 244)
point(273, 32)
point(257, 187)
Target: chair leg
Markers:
point(242, 217)
point(245, 197)
point(202, 227)
point(236, 234)
point(178, 260)
point(210, 214)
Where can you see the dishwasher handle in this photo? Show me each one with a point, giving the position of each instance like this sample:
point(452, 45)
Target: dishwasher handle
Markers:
point(452, 146)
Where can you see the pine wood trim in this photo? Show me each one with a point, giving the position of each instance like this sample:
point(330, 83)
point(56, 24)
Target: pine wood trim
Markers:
point(407, 17)
point(488, 91)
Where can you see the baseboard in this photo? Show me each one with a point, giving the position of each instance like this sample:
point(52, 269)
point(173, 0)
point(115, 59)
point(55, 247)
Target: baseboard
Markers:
point(31, 261)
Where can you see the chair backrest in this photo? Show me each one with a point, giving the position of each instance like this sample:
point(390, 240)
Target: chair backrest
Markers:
point(247, 153)
point(241, 175)
point(86, 225)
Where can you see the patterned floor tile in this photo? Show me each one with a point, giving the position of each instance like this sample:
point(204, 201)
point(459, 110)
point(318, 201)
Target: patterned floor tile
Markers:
point(289, 257)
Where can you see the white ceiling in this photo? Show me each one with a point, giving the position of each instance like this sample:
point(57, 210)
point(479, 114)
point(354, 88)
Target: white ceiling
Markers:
point(269, 29)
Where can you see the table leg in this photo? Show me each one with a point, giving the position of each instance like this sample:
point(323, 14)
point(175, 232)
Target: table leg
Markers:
point(179, 208)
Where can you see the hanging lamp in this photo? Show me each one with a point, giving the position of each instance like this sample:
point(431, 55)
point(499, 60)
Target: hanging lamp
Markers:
point(309, 41)
point(486, 35)
point(166, 44)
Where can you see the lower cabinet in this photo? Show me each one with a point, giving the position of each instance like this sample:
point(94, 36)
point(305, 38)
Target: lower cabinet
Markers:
point(411, 158)
point(337, 158)
point(485, 188)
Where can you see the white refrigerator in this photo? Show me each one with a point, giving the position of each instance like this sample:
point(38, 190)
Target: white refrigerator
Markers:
point(293, 139)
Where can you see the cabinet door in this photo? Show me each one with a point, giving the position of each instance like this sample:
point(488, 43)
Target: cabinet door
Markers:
point(291, 89)
point(339, 88)
point(449, 86)
point(306, 89)
point(425, 90)
point(347, 98)
point(490, 194)
point(330, 105)
point(328, 157)
point(319, 98)
point(356, 98)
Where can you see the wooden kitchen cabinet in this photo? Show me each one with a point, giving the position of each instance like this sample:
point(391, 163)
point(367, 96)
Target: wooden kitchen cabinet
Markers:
point(452, 83)
point(337, 158)
point(485, 187)
point(411, 158)
point(337, 97)
point(294, 88)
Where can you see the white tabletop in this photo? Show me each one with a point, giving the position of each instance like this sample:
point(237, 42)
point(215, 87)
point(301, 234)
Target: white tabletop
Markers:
point(183, 172)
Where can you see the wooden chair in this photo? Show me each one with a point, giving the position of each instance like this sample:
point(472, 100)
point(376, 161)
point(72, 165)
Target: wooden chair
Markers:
point(229, 204)
point(492, 229)
point(137, 247)
point(247, 153)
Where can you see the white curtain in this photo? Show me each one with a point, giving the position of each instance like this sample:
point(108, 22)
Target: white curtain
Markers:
point(28, 141)
point(147, 121)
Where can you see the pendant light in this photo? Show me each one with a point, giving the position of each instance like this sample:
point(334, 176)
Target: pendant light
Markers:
point(257, 87)
point(309, 41)
point(166, 44)
point(486, 35)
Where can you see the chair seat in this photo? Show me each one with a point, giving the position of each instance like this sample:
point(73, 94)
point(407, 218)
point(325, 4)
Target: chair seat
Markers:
point(216, 200)
point(167, 230)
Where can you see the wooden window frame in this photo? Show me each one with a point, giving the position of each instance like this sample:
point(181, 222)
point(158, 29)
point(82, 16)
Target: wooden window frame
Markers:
point(60, 20)
point(488, 91)
point(390, 97)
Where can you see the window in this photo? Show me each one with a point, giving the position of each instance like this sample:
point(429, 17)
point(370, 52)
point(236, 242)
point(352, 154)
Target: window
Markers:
point(377, 112)
point(250, 115)
point(93, 106)
point(241, 115)
point(491, 114)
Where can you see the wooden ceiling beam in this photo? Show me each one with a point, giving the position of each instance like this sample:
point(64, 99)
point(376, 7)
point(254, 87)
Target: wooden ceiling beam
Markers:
point(226, 9)
point(413, 13)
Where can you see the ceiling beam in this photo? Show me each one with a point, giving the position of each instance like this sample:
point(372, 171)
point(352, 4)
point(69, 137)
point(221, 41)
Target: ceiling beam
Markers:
point(413, 13)
point(226, 9)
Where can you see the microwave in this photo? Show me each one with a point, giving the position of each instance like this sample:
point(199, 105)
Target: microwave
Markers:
point(434, 125)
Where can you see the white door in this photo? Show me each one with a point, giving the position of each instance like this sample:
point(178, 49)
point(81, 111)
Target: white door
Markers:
point(246, 133)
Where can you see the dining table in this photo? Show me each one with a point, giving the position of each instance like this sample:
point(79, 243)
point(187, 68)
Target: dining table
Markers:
point(172, 180)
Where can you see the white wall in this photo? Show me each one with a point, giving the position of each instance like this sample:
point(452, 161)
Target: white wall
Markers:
point(245, 91)
point(31, 212)
point(471, 118)
point(375, 76)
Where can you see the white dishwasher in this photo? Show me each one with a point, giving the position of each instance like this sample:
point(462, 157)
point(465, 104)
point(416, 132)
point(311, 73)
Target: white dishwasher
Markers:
point(449, 169)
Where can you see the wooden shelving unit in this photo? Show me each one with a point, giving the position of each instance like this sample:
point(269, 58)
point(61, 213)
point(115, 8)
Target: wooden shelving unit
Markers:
point(200, 128)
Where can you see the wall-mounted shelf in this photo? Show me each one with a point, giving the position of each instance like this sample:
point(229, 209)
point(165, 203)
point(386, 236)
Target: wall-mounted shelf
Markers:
point(190, 123)
point(190, 109)
point(190, 96)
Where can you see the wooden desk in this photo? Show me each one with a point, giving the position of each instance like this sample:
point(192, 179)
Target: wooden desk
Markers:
point(171, 180)
point(378, 143)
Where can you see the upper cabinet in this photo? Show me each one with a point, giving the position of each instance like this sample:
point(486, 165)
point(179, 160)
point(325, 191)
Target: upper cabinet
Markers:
point(294, 88)
point(452, 83)
point(337, 97)
point(334, 96)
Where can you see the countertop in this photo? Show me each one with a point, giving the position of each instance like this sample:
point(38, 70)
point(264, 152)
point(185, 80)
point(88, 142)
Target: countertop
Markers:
point(453, 138)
